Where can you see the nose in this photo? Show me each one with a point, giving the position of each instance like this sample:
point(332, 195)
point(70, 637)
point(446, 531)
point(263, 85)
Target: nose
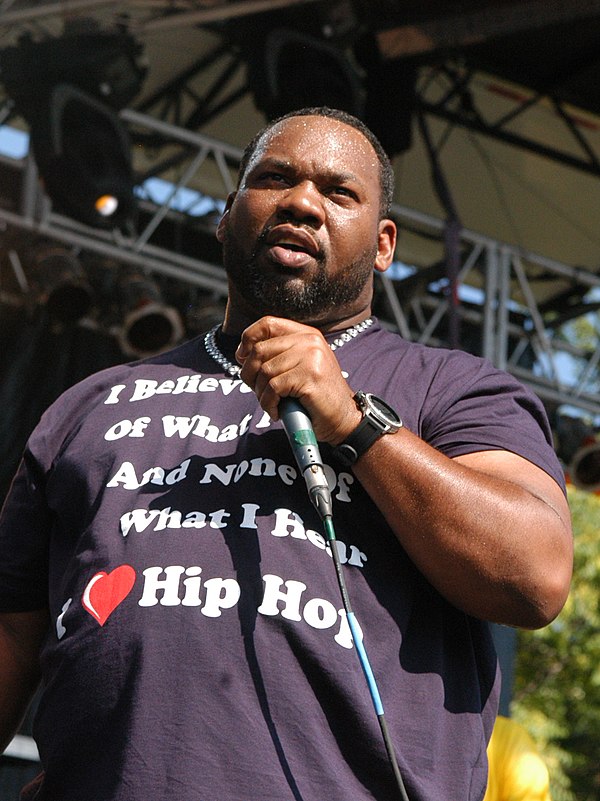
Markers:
point(302, 202)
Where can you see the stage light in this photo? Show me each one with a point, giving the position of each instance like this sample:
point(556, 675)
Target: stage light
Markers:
point(302, 70)
point(292, 65)
point(577, 444)
point(106, 205)
point(58, 282)
point(584, 470)
point(83, 155)
point(149, 326)
point(69, 90)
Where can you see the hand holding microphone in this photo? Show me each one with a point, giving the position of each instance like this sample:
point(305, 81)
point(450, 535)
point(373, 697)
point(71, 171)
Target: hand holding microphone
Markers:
point(280, 358)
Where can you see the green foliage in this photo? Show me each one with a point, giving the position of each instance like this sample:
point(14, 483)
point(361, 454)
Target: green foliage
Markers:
point(557, 680)
point(583, 333)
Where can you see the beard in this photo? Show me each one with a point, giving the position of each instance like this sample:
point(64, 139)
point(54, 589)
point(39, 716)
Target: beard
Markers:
point(284, 294)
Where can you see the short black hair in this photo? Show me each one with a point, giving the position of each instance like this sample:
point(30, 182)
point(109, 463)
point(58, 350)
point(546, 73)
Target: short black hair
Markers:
point(386, 173)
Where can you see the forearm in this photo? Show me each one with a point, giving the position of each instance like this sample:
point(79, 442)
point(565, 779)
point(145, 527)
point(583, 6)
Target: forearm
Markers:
point(496, 545)
point(20, 637)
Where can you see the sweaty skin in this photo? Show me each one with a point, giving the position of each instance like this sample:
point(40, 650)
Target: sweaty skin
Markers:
point(313, 185)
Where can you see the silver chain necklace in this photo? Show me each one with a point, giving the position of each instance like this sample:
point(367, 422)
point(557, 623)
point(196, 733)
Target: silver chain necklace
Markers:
point(210, 343)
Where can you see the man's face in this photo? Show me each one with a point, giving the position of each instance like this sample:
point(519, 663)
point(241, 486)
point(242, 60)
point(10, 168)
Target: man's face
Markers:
point(302, 235)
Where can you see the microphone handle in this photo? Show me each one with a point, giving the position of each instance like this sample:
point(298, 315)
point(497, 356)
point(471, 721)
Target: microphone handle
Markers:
point(300, 433)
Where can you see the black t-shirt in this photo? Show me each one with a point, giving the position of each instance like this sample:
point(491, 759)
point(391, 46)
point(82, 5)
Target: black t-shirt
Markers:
point(198, 649)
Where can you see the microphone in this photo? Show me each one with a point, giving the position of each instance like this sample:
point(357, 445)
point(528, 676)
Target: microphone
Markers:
point(299, 430)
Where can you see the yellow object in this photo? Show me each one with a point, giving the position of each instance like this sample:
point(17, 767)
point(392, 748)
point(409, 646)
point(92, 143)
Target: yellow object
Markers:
point(517, 771)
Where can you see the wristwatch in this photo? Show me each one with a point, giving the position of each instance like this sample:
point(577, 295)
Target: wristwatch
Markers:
point(378, 418)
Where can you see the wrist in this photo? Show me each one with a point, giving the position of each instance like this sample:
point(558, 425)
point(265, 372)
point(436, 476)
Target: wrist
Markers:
point(351, 421)
point(377, 419)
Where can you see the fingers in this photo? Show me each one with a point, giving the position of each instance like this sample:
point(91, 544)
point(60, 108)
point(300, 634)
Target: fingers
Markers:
point(266, 329)
point(282, 358)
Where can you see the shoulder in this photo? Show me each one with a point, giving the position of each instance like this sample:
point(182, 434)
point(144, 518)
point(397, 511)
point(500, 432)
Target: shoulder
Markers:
point(457, 402)
point(65, 414)
point(438, 374)
point(390, 344)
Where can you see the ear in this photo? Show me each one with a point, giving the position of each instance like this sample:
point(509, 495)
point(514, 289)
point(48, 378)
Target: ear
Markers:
point(225, 217)
point(386, 244)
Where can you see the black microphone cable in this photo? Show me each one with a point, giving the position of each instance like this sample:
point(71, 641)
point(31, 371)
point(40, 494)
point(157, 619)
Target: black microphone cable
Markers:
point(300, 433)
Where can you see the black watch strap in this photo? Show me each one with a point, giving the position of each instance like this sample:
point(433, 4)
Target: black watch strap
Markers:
point(359, 441)
point(378, 419)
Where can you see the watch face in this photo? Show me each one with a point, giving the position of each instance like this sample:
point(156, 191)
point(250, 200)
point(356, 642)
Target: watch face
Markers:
point(382, 410)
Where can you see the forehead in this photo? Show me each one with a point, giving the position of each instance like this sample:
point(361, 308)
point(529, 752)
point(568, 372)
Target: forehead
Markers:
point(321, 144)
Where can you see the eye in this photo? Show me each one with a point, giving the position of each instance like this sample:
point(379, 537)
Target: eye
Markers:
point(342, 192)
point(271, 177)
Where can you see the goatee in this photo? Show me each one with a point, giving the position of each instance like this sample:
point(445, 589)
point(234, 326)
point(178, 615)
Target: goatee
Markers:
point(285, 294)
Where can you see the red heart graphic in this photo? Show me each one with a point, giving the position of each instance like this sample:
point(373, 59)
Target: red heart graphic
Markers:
point(105, 591)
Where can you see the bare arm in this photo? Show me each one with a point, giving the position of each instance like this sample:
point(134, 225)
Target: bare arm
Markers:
point(21, 635)
point(489, 530)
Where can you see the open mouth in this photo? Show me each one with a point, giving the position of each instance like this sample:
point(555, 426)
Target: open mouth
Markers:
point(292, 247)
point(290, 255)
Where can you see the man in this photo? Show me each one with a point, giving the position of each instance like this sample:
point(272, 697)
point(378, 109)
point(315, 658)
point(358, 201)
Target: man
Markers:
point(197, 647)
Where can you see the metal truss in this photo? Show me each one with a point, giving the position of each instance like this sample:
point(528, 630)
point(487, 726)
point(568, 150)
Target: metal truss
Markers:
point(449, 92)
point(516, 305)
point(189, 89)
point(515, 310)
point(208, 163)
point(198, 94)
point(445, 90)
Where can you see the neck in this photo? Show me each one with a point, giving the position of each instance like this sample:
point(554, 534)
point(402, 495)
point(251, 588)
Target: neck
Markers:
point(237, 321)
point(229, 366)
